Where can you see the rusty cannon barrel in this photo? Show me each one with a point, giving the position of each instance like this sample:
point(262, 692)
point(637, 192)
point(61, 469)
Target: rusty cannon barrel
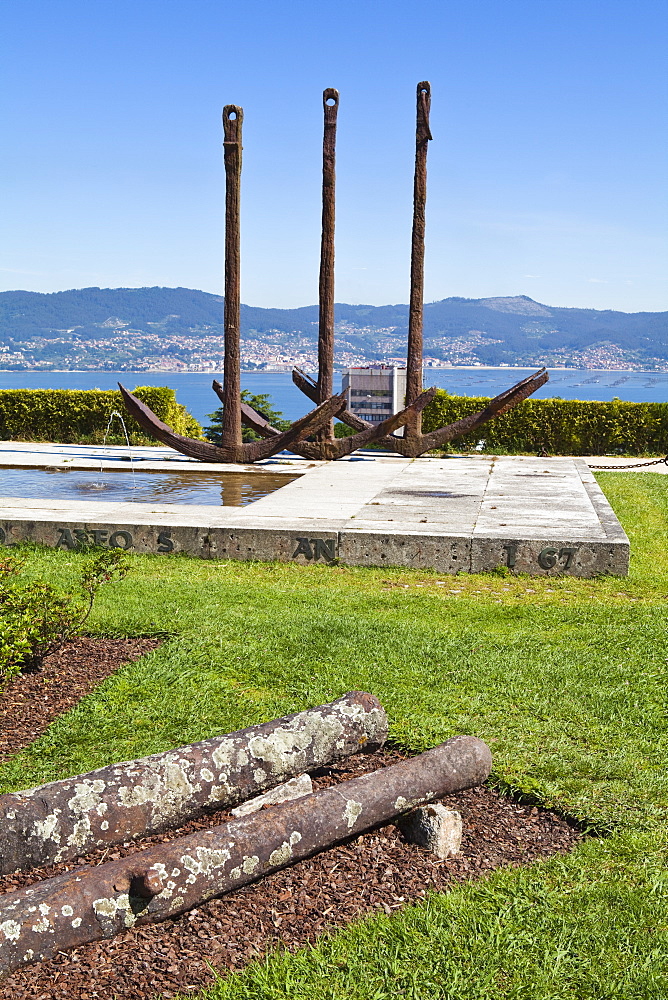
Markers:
point(89, 904)
point(64, 819)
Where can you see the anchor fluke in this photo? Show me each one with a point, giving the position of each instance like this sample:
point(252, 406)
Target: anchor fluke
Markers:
point(246, 453)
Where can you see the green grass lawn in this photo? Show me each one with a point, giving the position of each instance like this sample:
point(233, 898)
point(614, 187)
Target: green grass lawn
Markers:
point(566, 680)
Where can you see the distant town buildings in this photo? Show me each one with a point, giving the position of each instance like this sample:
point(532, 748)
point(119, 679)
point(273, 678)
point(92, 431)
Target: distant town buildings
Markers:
point(182, 330)
point(119, 348)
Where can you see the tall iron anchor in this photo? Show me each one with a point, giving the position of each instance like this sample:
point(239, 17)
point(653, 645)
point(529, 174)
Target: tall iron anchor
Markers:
point(232, 448)
point(317, 426)
point(326, 445)
point(414, 442)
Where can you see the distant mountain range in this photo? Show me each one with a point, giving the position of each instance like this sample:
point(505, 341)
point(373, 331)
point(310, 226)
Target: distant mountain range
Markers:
point(181, 328)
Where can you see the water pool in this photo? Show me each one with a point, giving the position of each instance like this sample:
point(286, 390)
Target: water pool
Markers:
point(229, 489)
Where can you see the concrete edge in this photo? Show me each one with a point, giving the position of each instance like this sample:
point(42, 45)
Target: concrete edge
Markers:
point(328, 543)
point(606, 515)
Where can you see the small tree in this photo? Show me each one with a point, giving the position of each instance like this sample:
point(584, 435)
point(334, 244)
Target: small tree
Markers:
point(262, 403)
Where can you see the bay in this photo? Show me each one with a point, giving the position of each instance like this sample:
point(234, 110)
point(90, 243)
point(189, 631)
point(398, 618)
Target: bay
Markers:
point(193, 389)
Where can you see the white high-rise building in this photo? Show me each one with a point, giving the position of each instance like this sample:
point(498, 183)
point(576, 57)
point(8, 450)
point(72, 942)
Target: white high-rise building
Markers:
point(376, 392)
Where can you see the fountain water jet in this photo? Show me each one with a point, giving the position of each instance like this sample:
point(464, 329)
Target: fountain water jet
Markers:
point(115, 413)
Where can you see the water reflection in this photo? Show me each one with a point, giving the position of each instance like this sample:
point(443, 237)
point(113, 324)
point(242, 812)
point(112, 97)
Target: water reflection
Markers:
point(229, 489)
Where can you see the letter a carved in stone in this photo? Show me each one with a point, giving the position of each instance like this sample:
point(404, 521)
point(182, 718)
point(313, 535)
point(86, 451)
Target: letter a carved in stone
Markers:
point(303, 549)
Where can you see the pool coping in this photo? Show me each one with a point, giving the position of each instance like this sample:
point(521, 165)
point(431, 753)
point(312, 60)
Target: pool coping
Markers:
point(18, 454)
point(442, 514)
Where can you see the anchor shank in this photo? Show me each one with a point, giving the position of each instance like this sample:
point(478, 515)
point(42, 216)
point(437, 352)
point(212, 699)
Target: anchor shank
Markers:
point(231, 423)
point(414, 359)
point(330, 103)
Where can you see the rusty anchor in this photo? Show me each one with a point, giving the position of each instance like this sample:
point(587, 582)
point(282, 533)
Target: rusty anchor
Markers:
point(414, 442)
point(232, 448)
point(313, 436)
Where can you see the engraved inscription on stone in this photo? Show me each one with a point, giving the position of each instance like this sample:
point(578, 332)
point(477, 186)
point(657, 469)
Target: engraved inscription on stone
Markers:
point(165, 543)
point(315, 548)
point(511, 552)
point(550, 556)
point(72, 538)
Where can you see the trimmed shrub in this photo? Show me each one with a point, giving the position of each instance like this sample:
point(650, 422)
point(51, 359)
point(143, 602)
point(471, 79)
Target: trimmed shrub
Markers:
point(557, 426)
point(80, 416)
point(36, 619)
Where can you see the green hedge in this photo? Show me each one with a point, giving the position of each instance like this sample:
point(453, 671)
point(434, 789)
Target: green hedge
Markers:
point(558, 426)
point(72, 416)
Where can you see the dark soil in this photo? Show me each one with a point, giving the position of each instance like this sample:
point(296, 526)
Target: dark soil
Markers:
point(377, 871)
point(32, 700)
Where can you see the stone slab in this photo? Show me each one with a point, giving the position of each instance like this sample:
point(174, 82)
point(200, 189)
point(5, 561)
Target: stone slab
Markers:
point(142, 458)
point(539, 516)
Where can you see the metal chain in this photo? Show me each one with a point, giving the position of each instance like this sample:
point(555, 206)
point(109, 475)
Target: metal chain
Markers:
point(636, 465)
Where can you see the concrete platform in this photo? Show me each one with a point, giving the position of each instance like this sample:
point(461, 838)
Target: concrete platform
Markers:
point(532, 515)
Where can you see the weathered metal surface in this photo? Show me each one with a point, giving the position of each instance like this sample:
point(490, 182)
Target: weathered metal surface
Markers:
point(64, 819)
point(232, 448)
point(419, 443)
point(339, 447)
point(496, 407)
point(326, 446)
point(414, 356)
point(330, 104)
point(298, 430)
point(413, 442)
point(310, 389)
point(319, 423)
point(251, 451)
point(204, 451)
point(152, 885)
point(501, 404)
point(251, 418)
point(331, 448)
point(231, 423)
point(297, 443)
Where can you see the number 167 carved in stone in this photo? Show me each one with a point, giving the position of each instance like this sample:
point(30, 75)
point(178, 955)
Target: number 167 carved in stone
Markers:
point(547, 557)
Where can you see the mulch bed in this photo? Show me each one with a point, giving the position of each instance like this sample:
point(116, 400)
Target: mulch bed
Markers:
point(377, 871)
point(31, 701)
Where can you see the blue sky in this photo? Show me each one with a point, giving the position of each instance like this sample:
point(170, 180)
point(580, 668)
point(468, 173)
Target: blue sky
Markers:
point(547, 173)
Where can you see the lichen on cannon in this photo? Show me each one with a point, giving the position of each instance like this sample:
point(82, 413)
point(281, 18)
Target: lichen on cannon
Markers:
point(64, 819)
point(89, 904)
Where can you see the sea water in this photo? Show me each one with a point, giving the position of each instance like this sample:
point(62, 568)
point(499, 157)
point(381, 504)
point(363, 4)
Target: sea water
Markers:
point(193, 389)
